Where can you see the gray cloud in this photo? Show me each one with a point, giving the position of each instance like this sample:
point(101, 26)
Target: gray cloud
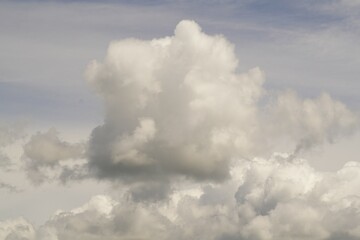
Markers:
point(8, 187)
point(17, 229)
point(45, 155)
point(311, 122)
point(4, 161)
point(9, 133)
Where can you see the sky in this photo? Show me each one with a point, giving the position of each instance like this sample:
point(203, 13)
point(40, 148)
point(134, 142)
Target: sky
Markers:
point(179, 119)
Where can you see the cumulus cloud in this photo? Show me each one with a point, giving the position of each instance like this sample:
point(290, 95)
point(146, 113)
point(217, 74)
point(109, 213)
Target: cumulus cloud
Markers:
point(309, 122)
point(105, 218)
point(177, 106)
point(296, 202)
point(17, 229)
point(184, 133)
point(46, 154)
point(265, 199)
point(174, 106)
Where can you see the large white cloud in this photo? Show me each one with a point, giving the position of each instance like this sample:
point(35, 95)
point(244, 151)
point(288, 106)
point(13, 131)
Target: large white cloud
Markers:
point(177, 106)
point(173, 106)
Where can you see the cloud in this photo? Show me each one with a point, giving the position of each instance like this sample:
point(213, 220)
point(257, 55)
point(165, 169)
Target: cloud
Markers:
point(9, 134)
point(8, 187)
point(165, 108)
point(45, 154)
point(104, 218)
point(17, 229)
point(297, 202)
point(184, 135)
point(48, 149)
point(310, 122)
point(5, 161)
point(265, 199)
point(177, 107)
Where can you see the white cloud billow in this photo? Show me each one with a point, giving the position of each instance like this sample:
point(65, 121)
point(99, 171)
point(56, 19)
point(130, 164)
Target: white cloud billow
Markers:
point(267, 199)
point(177, 106)
point(198, 111)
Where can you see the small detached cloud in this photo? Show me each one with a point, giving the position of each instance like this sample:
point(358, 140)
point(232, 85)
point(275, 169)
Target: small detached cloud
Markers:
point(46, 157)
point(310, 122)
point(174, 107)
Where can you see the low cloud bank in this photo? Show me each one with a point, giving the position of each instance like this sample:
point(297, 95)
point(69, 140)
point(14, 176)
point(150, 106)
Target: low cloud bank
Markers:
point(266, 199)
